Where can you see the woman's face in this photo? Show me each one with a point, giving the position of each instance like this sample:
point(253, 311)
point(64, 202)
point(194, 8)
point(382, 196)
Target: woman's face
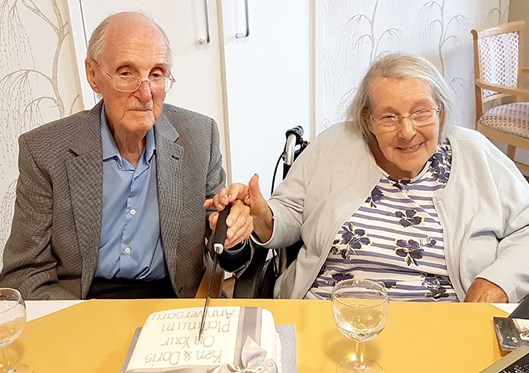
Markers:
point(403, 149)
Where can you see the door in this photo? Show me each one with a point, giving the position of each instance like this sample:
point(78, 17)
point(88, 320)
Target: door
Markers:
point(267, 57)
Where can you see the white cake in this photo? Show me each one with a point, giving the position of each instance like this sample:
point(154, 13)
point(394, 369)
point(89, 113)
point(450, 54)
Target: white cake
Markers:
point(168, 341)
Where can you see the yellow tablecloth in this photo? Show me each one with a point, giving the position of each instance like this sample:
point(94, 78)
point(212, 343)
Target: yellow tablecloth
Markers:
point(94, 336)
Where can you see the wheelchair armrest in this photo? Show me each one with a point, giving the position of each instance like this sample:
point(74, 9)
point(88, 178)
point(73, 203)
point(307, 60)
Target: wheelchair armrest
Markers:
point(257, 281)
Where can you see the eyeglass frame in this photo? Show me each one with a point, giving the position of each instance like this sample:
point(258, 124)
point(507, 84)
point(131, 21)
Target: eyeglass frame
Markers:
point(140, 80)
point(400, 118)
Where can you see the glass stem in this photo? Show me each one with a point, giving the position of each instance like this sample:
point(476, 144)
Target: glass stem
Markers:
point(6, 364)
point(360, 355)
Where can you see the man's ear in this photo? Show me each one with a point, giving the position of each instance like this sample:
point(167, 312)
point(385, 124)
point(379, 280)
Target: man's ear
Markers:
point(90, 67)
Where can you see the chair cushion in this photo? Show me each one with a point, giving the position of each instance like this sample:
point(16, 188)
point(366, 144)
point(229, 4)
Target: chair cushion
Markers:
point(511, 118)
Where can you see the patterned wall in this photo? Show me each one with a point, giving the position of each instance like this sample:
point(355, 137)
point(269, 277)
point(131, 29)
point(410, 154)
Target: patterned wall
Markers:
point(38, 82)
point(356, 31)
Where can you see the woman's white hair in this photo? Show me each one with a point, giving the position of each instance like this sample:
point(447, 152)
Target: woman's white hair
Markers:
point(400, 66)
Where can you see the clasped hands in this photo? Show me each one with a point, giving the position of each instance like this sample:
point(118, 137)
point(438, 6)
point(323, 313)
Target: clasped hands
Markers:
point(249, 211)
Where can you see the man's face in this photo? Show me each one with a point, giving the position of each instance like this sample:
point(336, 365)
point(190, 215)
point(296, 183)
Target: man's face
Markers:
point(134, 47)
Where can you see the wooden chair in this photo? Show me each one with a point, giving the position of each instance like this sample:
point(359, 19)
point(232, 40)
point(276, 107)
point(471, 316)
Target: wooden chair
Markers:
point(502, 110)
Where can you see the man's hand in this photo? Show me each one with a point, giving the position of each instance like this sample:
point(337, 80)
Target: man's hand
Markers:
point(482, 290)
point(239, 223)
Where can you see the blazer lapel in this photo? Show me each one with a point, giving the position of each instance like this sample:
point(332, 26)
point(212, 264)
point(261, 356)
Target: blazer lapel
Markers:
point(169, 168)
point(85, 177)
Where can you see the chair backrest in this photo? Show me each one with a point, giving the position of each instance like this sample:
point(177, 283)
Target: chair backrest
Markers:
point(498, 60)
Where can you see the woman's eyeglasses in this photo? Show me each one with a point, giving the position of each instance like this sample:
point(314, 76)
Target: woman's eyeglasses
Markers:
point(391, 122)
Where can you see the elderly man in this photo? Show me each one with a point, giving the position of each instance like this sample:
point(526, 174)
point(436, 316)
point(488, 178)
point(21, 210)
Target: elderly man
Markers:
point(110, 201)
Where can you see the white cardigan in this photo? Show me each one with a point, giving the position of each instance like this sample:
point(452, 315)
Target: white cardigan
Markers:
point(484, 210)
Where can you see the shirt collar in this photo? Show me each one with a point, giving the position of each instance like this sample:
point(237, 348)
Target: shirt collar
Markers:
point(110, 149)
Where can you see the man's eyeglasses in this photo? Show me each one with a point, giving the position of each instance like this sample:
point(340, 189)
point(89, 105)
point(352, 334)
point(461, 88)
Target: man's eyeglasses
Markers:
point(391, 122)
point(125, 83)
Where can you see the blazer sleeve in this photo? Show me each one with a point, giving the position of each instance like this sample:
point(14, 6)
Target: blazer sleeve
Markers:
point(28, 262)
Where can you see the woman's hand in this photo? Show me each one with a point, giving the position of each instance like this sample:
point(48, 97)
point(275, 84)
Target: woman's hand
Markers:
point(482, 290)
point(263, 218)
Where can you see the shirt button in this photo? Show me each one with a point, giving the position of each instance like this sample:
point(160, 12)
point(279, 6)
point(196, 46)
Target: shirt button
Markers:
point(127, 250)
point(132, 212)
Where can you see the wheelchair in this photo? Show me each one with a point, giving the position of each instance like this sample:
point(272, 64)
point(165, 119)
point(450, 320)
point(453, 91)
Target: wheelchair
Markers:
point(258, 280)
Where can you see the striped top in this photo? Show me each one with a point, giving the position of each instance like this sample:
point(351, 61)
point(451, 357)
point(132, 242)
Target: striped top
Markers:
point(395, 237)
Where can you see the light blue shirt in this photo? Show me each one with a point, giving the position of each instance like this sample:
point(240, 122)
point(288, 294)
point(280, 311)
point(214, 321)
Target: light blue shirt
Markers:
point(131, 245)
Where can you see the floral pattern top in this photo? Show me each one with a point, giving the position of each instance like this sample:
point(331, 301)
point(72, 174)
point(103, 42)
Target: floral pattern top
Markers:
point(396, 238)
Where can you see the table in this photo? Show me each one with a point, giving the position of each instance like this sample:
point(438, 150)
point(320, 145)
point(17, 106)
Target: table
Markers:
point(40, 308)
point(94, 336)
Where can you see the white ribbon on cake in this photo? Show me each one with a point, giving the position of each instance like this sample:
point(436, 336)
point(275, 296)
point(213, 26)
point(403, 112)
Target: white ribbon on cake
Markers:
point(253, 359)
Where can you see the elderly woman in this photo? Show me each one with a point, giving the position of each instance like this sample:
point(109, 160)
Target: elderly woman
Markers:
point(399, 195)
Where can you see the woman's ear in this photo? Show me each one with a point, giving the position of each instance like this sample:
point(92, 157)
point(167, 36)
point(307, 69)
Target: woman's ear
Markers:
point(441, 121)
point(370, 135)
point(91, 74)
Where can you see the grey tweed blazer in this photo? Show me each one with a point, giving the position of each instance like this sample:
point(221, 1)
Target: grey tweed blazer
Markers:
point(52, 252)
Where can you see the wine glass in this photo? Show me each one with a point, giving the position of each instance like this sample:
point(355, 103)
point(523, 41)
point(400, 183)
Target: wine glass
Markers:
point(359, 309)
point(12, 320)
